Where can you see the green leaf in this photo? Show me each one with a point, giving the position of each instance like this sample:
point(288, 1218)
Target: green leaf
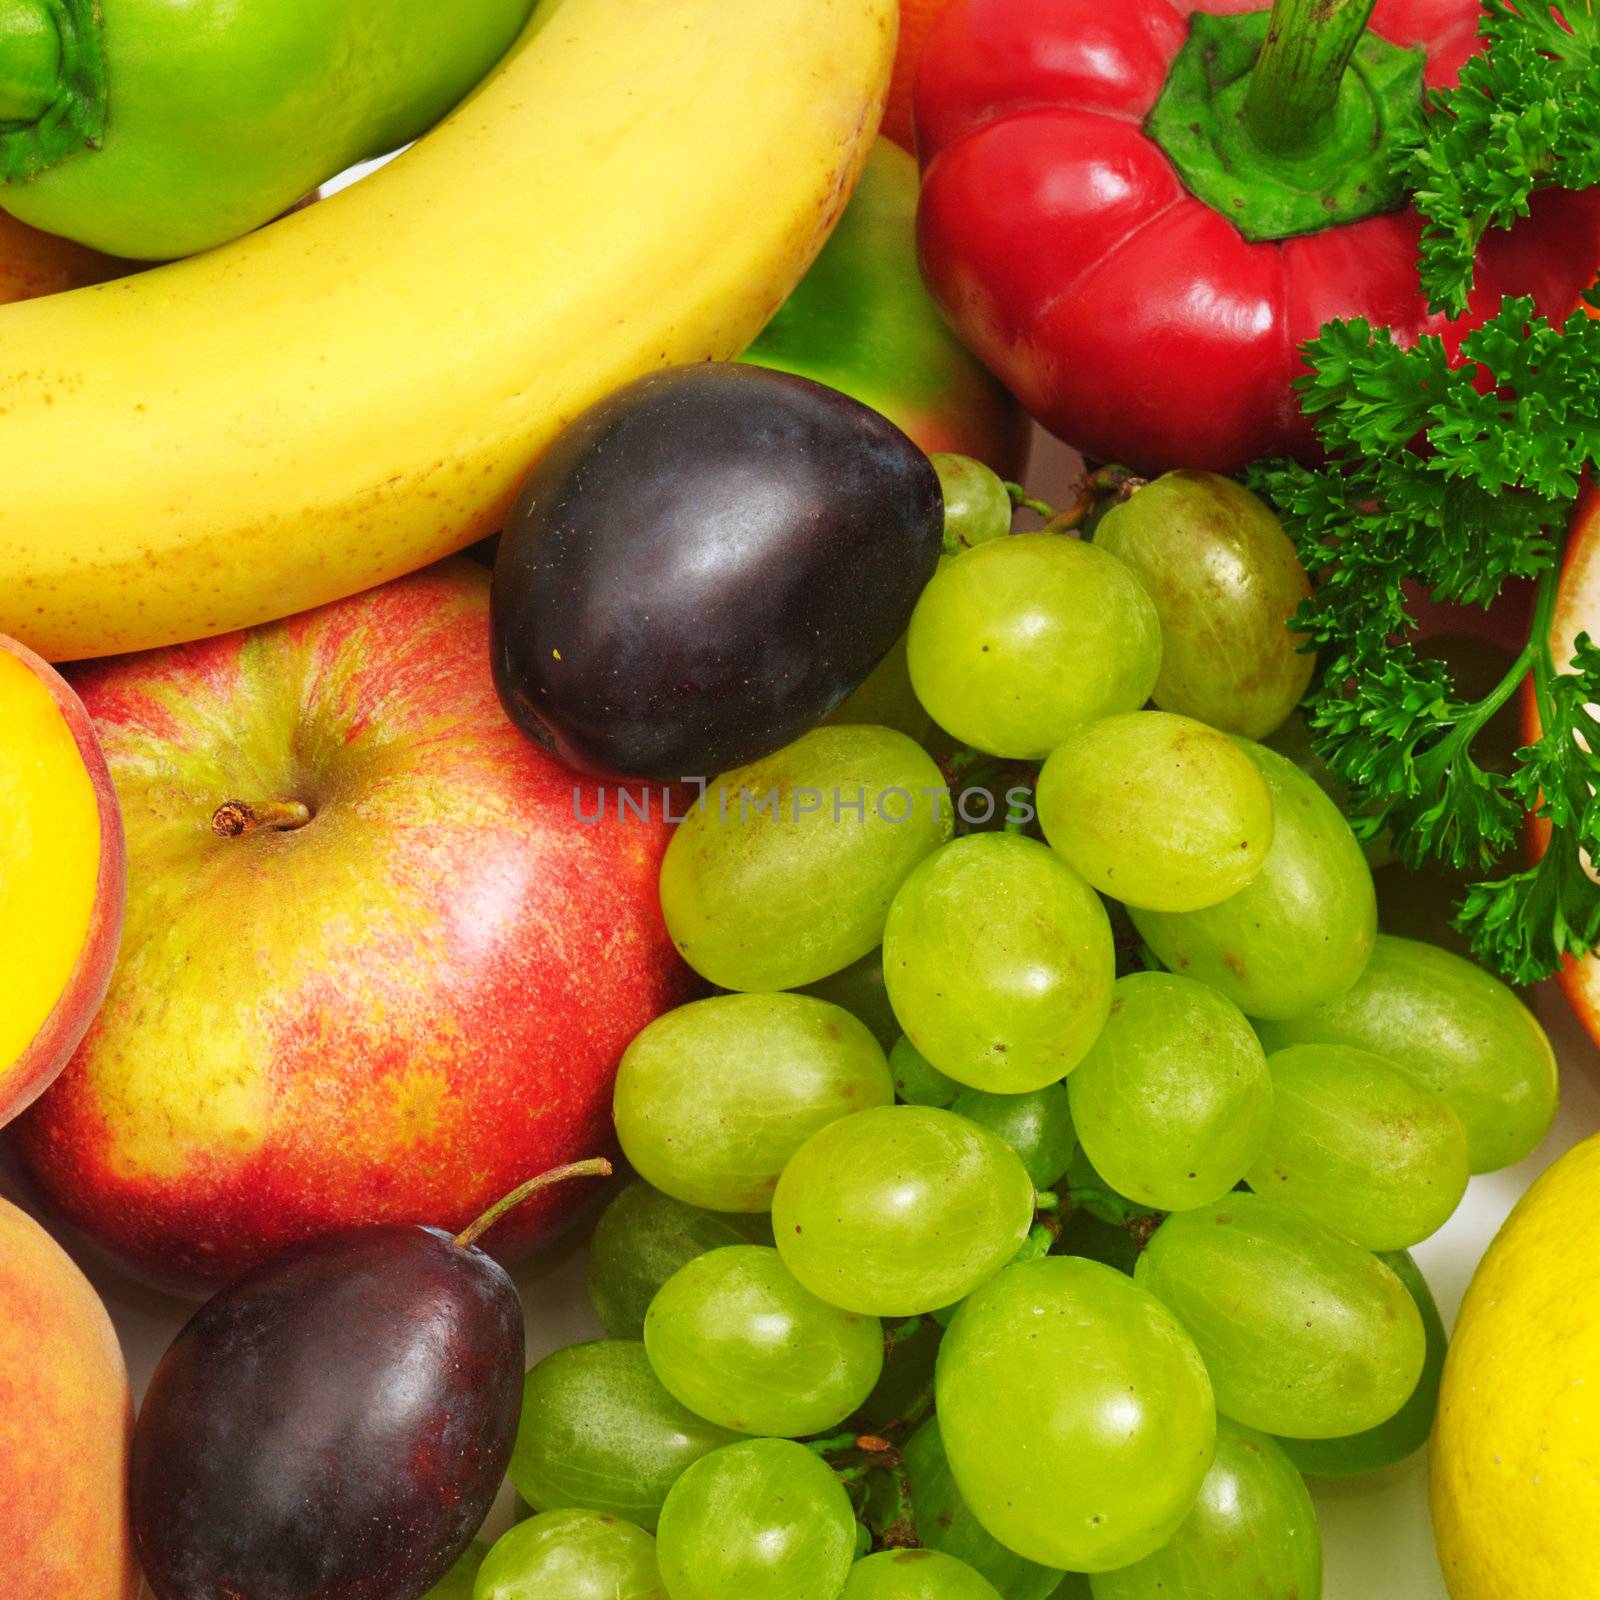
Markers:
point(1525, 116)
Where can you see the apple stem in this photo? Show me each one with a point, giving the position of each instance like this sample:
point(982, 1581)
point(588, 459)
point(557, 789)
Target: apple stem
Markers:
point(598, 1167)
point(235, 818)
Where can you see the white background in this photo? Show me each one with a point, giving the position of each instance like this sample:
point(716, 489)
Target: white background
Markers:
point(1376, 1531)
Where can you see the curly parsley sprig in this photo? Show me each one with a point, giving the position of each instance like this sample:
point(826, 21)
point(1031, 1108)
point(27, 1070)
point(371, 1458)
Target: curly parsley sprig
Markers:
point(1524, 117)
point(1452, 480)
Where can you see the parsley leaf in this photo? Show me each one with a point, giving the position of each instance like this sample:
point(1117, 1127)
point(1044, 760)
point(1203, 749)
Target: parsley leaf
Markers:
point(1448, 482)
point(1525, 117)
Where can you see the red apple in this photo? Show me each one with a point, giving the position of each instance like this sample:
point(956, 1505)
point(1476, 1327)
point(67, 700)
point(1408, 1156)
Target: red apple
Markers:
point(65, 1421)
point(376, 966)
point(61, 875)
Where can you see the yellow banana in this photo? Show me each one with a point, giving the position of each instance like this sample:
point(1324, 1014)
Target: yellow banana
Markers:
point(357, 389)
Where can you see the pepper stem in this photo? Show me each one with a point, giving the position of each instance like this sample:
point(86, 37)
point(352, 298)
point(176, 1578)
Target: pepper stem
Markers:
point(30, 60)
point(598, 1167)
point(1294, 86)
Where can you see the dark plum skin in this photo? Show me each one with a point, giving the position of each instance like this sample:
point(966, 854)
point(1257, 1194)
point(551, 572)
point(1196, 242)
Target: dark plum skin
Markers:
point(333, 1426)
point(703, 566)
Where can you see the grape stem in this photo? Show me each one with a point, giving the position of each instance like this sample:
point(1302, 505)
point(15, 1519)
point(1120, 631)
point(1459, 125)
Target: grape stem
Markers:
point(1111, 482)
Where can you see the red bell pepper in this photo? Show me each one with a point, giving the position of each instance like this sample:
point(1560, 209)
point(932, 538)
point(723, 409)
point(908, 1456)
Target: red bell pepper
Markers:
point(1135, 211)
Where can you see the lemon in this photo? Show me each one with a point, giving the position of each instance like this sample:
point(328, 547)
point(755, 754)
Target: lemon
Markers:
point(1516, 1446)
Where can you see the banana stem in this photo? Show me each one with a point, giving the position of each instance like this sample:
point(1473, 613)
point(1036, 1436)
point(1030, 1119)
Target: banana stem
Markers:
point(30, 60)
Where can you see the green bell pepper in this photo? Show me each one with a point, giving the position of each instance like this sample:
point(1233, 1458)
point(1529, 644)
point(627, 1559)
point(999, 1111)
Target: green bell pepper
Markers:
point(156, 128)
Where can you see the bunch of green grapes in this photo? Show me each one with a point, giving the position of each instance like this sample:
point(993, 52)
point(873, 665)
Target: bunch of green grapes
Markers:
point(959, 1267)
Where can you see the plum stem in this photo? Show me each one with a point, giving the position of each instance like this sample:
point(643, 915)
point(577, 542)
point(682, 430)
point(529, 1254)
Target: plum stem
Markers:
point(597, 1167)
point(233, 819)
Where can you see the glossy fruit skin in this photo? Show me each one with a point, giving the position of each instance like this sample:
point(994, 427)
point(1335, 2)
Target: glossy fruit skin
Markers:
point(218, 118)
point(598, 1432)
point(63, 874)
point(1516, 1503)
point(738, 1340)
point(349, 1022)
point(1303, 1333)
point(1301, 931)
point(1174, 1100)
point(1225, 580)
point(334, 1426)
point(1075, 1412)
point(577, 1554)
point(1130, 318)
point(1036, 1124)
point(713, 1098)
point(1253, 1529)
point(1407, 1430)
point(703, 566)
point(1017, 1007)
point(642, 1238)
point(1454, 1025)
point(1362, 1144)
point(946, 1522)
point(1156, 810)
point(65, 1423)
point(862, 322)
point(915, 1575)
point(900, 1210)
point(772, 893)
point(764, 1519)
point(1018, 641)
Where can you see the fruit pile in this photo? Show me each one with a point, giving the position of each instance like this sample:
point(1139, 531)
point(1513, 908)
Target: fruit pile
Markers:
point(1034, 971)
point(1110, 1245)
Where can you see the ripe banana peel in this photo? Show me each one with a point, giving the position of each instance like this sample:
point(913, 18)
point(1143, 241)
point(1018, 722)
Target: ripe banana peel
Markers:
point(358, 389)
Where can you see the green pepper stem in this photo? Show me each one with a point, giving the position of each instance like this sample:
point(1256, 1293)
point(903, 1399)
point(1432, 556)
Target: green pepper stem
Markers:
point(1294, 86)
point(30, 60)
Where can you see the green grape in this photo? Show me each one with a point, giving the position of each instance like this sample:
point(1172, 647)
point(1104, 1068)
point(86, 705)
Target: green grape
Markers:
point(764, 1519)
point(916, 1080)
point(945, 1522)
point(1361, 1144)
point(1157, 811)
point(1037, 1125)
point(1074, 1586)
point(776, 879)
point(598, 1431)
point(1293, 742)
point(1075, 1412)
point(1407, 1430)
point(1253, 1532)
point(977, 504)
point(1466, 1034)
point(886, 699)
point(1224, 579)
point(713, 1098)
point(915, 1575)
point(1019, 641)
point(859, 989)
point(456, 1584)
point(1173, 1102)
point(999, 962)
point(641, 1239)
point(900, 1210)
point(1302, 930)
point(737, 1340)
point(578, 1555)
point(1304, 1333)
